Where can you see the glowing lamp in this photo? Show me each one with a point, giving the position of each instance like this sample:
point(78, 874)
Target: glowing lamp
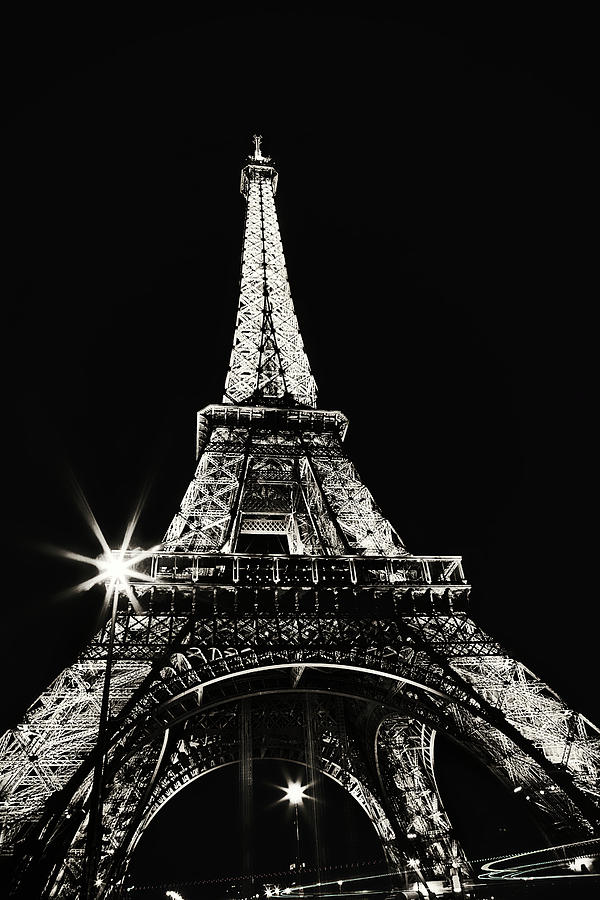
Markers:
point(295, 793)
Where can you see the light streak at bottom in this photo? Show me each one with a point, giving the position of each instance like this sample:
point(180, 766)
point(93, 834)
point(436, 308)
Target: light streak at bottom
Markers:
point(579, 859)
point(575, 862)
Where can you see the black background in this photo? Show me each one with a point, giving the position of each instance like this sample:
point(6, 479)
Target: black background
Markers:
point(436, 201)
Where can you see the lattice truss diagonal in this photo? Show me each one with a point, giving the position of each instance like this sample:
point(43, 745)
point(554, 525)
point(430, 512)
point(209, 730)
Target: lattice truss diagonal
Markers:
point(294, 481)
point(405, 758)
point(204, 517)
point(39, 756)
point(268, 360)
point(567, 739)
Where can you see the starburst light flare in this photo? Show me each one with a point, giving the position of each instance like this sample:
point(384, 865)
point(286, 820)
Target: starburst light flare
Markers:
point(295, 792)
point(115, 568)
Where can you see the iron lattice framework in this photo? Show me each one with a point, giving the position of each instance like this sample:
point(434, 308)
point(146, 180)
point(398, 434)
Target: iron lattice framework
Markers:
point(268, 363)
point(330, 644)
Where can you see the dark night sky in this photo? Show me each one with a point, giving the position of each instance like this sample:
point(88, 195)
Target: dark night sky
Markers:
point(436, 185)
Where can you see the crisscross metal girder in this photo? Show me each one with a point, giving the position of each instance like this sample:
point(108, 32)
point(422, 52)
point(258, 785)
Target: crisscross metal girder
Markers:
point(268, 360)
point(205, 514)
point(525, 755)
point(404, 749)
point(200, 748)
point(39, 756)
point(212, 668)
point(482, 683)
point(333, 510)
point(142, 784)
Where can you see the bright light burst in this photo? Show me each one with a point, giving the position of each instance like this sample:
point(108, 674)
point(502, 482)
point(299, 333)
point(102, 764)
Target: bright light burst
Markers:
point(115, 568)
point(295, 792)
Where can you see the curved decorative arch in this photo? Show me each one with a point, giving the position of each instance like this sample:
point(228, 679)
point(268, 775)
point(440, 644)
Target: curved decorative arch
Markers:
point(468, 694)
point(209, 744)
point(388, 661)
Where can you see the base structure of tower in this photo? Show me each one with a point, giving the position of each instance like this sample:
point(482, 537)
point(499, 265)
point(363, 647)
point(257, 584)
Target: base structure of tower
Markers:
point(283, 618)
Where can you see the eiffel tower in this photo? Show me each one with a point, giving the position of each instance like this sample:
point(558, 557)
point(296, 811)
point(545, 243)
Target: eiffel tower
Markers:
point(282, 617)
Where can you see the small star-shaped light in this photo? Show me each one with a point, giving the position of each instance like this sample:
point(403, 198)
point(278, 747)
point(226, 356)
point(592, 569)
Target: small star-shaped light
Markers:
point(116, 571)
point(295, 792)
point(115, 568)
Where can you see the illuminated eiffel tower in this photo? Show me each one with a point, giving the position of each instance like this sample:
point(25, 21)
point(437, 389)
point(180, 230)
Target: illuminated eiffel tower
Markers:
point(282, 617)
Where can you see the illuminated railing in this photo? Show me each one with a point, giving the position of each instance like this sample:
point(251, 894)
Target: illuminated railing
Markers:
point(246, 569)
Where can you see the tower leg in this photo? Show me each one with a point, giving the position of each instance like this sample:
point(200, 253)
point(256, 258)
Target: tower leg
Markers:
point(404, 753)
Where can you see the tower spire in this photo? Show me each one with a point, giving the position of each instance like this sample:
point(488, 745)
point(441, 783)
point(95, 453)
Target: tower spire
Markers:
point(268, 363)
point(257, 138)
